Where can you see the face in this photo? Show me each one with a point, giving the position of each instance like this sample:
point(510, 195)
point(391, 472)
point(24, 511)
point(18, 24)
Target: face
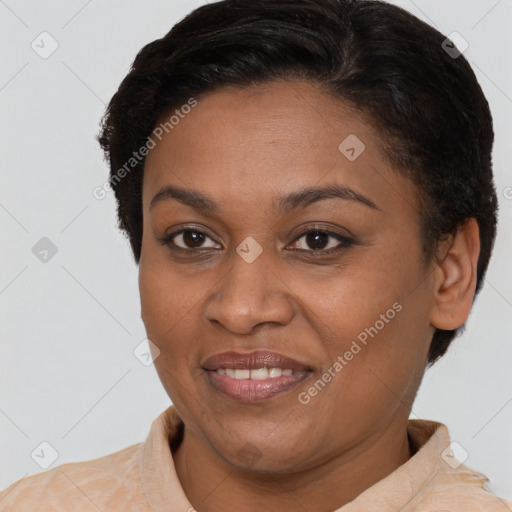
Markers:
point(274, 239)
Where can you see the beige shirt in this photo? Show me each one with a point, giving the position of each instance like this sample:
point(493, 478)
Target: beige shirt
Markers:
point(142, 478)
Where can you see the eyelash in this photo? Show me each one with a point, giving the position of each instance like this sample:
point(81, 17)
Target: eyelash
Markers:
point(345, 242)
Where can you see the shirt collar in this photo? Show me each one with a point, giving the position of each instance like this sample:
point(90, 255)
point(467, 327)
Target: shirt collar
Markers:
point(160, 481)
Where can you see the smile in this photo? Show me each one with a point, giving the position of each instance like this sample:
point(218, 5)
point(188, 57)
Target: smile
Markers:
point(254, 377)
point(259, 374)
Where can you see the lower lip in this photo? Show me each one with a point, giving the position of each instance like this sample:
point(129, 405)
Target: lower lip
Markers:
point(252, 391)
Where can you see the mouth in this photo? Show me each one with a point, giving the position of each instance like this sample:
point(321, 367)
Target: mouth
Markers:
point(254, 377)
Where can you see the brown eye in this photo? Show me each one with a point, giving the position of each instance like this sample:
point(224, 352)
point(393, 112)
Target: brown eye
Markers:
point(321, 241)
point(188, 239)
point(317, 240)
point(192, 239)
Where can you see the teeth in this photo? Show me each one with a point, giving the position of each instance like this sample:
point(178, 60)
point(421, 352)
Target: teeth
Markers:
point(259, 374)
point(242, 374)
point(275, 372)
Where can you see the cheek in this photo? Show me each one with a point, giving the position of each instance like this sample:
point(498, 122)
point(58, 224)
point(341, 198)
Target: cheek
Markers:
point(156, 301)
point(166, 292)
point(165, 304)
point(376, 319)
point(352, 299)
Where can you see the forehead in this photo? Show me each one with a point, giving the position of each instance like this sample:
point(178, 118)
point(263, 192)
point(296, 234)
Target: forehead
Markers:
point(289, 116)
point(267, 138)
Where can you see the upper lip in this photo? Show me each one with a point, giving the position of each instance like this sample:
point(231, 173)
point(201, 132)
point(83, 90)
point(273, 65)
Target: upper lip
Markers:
point(252, 361)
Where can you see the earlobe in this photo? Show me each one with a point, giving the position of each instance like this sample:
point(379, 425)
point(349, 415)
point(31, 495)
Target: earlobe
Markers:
point(455, 278)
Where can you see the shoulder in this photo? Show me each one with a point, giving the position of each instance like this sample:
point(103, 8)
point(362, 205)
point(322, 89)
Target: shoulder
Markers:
point(439, 481)
point(461, 490)
point(108, 483)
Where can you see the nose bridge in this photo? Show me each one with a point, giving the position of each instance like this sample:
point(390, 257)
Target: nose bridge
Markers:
point(249, 294)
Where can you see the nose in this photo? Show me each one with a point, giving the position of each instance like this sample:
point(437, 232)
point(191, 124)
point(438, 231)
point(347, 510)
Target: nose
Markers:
point(249, 295)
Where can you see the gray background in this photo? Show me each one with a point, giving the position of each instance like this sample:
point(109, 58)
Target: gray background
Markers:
point(69, 325)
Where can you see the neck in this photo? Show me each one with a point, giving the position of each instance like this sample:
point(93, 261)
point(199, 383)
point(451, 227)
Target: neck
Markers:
point(213, 484)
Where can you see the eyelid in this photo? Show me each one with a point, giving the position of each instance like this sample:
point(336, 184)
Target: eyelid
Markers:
point(322, 228)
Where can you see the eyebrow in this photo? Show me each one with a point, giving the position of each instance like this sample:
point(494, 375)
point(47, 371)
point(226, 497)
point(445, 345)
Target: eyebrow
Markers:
point(286, 204)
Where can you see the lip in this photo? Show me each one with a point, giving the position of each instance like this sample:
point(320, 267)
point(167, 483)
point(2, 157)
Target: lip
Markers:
point(251, 391)
point(253, 361)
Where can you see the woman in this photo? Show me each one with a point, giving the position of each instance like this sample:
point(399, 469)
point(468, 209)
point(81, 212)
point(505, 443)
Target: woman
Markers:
point(307, 189)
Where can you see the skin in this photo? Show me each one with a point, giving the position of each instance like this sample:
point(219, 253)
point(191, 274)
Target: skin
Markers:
point(245, 148)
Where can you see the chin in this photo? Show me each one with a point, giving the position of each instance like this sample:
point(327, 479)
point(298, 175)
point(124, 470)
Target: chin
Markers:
point(283, 454)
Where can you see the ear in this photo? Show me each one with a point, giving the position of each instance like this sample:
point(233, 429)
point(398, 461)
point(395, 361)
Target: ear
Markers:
point(455, 277)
